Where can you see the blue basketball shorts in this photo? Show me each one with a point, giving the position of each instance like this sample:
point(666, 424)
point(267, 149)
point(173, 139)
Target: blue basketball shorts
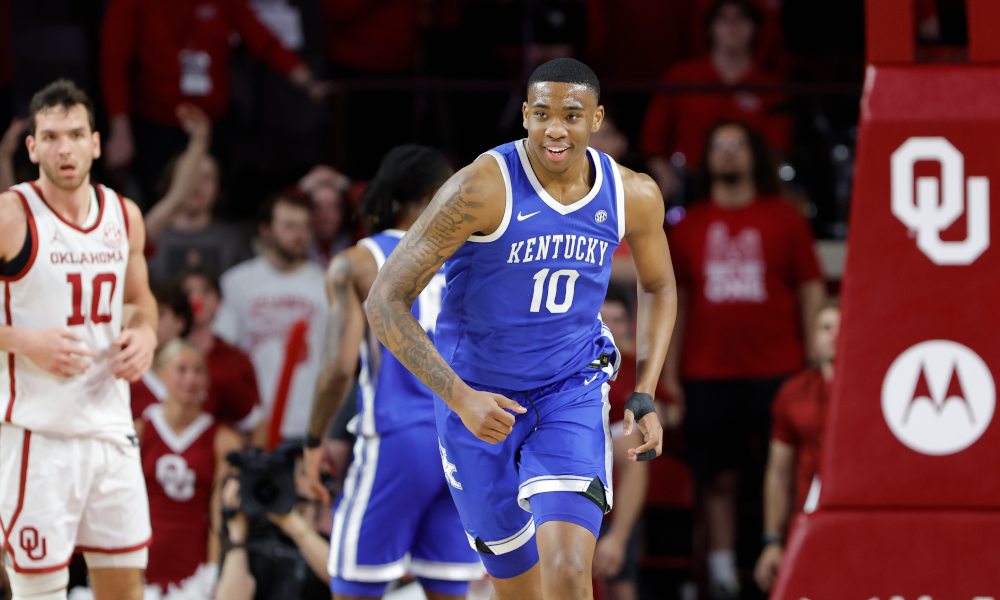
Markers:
point(395, 516)
point(555, 466)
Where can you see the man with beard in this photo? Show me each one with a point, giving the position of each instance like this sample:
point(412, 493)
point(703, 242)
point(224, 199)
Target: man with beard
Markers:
point(268, 303)
point(748, 287)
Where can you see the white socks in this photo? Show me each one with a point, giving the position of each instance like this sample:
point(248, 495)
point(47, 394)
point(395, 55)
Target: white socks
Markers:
point(722, 569)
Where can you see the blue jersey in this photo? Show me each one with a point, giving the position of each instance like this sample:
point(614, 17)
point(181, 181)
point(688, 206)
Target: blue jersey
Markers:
point(389, 396)
point(522, 308)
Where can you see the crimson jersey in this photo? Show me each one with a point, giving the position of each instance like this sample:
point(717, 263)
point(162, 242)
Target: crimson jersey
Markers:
point(179, 471)
point(75, 280)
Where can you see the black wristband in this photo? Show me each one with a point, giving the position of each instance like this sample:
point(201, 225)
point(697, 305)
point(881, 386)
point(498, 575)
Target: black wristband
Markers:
point(640, 404)
point(773, 538)
point(312, 441)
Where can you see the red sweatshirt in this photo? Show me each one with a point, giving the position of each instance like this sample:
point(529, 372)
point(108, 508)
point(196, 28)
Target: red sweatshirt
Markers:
point(144, 42)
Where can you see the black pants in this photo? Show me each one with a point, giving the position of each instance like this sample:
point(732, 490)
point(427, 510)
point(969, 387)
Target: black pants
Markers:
point(727, 422)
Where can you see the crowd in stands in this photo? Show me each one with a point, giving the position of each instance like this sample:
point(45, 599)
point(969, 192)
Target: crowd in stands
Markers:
point(243, 301)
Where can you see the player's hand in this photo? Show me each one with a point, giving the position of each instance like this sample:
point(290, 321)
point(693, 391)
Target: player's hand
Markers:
point(609, 556)
point(649, 425)
point(314, 459)
point(767, 567)
point(57, 351)
point(135, 354)
point(484, 415)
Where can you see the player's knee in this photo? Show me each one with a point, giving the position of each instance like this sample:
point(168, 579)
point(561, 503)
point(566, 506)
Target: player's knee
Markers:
point(564, 570)
point(41, 586)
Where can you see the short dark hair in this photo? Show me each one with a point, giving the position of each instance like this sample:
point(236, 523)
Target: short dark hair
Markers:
point(765, 175)
point(64, 93)
point(209, 276)
point(171, 295)
point(567, 70)
point(619, 293)
point(289, 195)
point(407, 175)
point(749, 9)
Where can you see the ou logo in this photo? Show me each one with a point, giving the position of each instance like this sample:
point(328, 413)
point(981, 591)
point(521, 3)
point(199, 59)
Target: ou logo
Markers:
point(938, 397)
point(939, 203)
point(176, 478)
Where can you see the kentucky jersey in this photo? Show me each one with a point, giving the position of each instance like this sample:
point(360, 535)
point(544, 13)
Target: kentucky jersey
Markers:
point(522, 304)
point(389, 396)
point(74, 280)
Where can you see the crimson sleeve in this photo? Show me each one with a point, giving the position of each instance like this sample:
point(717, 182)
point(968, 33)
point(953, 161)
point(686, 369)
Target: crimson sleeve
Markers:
point(805, 264)
point(118, 33)
point(263, 45)
point(657, 125)
point(781, 427)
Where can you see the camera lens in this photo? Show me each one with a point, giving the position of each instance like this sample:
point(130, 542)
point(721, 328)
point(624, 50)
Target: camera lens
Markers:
point(266, 492)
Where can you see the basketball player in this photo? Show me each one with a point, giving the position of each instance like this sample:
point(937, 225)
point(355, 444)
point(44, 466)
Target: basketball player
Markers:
point(520, 358)
point(395, 514)
point(79, 323)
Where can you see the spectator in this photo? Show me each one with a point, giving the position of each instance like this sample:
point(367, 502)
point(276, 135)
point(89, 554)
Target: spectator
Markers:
point(749, 287)
point(791, 482)
point(676, 124)
point(12, 139)
point(180, 230)
point(157, 54)
point(233, 396)
point(174, 322)
point(326, 189)
point(288, 563)
point(268, 301)
point(183, 459)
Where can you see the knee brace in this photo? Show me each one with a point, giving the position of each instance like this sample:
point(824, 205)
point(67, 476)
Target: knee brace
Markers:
point(40, 586)
point(136, 559)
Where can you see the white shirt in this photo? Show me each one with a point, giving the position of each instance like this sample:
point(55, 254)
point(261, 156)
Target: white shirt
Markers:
point(259, 308)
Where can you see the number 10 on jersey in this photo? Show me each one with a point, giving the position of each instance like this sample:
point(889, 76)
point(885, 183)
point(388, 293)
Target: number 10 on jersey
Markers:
point(75, 280)
point(553, 289)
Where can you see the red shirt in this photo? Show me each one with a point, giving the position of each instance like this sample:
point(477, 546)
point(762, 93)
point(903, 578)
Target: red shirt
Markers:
point(743, 268)
point(680, 122)
point(142, 46)
point(799, 415)
point(232, 393)
point(179, 472)
point(380, 37)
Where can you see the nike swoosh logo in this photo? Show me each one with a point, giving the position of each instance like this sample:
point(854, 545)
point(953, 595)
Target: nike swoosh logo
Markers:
point(591, 379)
point(521, 217)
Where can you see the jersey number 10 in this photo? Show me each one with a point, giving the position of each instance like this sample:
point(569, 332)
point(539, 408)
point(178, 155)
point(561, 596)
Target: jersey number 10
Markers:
point(550, 300)
point(76, 281)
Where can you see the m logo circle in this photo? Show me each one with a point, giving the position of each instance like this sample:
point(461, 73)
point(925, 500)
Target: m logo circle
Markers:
point(938, 397)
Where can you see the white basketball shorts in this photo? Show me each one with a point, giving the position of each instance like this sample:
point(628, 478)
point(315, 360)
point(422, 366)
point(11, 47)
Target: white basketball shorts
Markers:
point(57, 494)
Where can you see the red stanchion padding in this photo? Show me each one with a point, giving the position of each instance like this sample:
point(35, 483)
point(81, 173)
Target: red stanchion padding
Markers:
point(892, 555)
point(912, 421)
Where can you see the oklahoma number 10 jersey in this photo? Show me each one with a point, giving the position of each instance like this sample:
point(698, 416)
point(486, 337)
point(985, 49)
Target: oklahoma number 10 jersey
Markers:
point(74, 280)
point(389, 396)
point(522, 308)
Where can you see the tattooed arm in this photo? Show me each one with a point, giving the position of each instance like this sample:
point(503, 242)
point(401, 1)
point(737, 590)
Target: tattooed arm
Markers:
point(471, 202)
point(348, 279)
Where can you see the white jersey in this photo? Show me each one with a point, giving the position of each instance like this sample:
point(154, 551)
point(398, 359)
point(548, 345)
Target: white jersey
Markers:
point(75, 280)
point(259, 307)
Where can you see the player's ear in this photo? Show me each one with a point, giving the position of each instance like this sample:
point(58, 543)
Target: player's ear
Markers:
point(598, 119)
point(96, 139)
point(524, 115)
point(30, 143)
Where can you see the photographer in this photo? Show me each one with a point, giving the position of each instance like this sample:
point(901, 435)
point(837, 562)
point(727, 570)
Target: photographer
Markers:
point(280, 554)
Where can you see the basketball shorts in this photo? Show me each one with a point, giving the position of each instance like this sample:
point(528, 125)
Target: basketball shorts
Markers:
point(60, 494)
point(505, 491)
point(395, 516)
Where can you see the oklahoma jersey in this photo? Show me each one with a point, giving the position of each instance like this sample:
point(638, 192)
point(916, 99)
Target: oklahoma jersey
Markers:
point(522, 304)
point(74, 280)
point(179, 471)
point(389, 395)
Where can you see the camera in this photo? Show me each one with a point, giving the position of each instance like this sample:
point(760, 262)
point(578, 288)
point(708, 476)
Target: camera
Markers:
point(267, 480)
